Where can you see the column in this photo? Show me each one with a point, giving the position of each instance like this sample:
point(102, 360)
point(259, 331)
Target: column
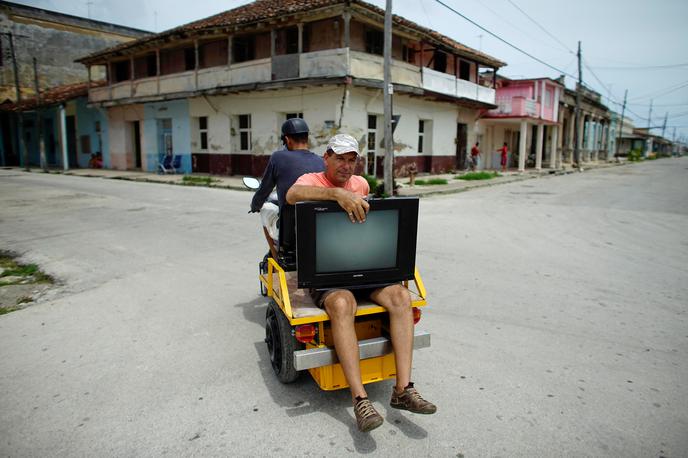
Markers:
point(522, 147)
point(347, 29)
point(300, 27)
point(196, 61)
point(157, 79)
point(229, 50)
point(131, 76)
point(63, 137)
point(581, 135)
point(538, 147)
point(555, 144)
point(571, 139)
point(273, 38)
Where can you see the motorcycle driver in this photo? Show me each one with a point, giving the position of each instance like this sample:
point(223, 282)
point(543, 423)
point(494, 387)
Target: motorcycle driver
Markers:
point(284, 168)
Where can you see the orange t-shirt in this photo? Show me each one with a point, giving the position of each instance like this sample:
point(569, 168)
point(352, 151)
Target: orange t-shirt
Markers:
point(356, 184)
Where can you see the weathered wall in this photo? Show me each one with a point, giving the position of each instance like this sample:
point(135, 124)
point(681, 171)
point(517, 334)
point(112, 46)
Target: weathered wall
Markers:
point(55, 41)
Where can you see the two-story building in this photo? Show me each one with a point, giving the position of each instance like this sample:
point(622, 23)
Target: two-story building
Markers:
point(593, 127)
point(216, 91)
point(526, 119)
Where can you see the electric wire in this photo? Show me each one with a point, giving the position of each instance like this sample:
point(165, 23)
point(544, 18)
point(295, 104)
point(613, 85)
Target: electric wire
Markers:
point(540, 26)
point(504, 41)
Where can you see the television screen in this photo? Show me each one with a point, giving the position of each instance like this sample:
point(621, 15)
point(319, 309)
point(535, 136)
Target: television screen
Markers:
point(343, 246)
point(331, 251)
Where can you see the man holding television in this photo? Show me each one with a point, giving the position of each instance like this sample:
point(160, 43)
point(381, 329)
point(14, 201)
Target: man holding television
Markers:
point(338, 183)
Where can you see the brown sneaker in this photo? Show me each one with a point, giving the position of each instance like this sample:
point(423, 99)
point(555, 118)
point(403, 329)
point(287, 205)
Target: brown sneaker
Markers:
point(367, 417)
point(411, 400)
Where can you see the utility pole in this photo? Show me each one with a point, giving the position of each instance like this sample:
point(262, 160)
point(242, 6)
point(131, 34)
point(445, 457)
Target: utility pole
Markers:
point(649, 118)
point(577, 130)
point(39, 126)
point(623, 112)
point(388, 90)
point(666, 116)
point(24, 153)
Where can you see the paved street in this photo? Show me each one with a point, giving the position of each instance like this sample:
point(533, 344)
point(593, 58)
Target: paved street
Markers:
point(558, 312)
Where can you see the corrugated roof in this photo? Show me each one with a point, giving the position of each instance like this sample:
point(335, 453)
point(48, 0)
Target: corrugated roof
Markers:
point(265, 10)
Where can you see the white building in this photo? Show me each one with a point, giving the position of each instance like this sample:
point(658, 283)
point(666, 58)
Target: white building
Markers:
point(216, 91)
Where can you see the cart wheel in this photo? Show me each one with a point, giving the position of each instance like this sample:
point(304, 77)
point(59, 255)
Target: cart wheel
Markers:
point(281, 344)
point(263, 269)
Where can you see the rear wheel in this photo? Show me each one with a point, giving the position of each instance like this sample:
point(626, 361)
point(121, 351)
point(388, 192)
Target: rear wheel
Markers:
point(281, 344)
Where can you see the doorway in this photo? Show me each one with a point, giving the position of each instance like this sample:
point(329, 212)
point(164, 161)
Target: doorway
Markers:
point(136, 143)
point(461, 146)
point(71, 142)
point(165, 137)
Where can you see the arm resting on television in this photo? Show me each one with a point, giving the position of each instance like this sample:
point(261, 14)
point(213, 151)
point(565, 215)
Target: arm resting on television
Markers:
point(355, 205)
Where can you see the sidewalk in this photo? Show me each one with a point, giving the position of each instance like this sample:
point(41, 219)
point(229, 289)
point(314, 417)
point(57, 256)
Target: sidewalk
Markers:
point(234, 182)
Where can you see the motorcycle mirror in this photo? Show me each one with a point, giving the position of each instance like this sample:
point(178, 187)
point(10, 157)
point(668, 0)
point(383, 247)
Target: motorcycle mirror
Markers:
point(251, 183)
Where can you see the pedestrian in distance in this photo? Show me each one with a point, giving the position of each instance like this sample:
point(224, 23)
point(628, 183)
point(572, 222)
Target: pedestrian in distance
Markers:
point(503, 151)
point(475, 156)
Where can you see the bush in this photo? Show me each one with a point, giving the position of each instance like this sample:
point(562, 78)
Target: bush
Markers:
point(431, 181)
point(635, 155)
point(477, 176)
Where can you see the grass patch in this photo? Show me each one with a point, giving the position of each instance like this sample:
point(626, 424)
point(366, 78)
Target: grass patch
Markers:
point(198, 181)
point(27, 273)
point(4, 310)
point(431, 182)
point(477, 176)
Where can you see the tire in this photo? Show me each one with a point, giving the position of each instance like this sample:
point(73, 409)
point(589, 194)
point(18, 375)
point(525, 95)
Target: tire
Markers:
point(263, 269)
point(281, 344)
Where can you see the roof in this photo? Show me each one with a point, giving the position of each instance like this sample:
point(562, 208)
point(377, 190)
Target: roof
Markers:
point(53, 96)
point(265, 10)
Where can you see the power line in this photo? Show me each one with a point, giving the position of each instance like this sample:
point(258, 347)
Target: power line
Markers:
point(664, 91)
point(641, 67)
point(541, 27)
point(504, 41)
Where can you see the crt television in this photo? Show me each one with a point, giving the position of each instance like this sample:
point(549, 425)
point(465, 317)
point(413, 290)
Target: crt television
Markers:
point(331, 251)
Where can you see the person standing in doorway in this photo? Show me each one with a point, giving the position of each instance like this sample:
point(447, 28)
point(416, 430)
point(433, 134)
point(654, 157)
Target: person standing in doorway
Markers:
point(475, 156)
point(503, 151)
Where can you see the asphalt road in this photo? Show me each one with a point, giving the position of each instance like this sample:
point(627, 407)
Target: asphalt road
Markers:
point(558, 309)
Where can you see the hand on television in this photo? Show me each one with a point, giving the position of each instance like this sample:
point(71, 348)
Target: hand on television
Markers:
point(354, 205)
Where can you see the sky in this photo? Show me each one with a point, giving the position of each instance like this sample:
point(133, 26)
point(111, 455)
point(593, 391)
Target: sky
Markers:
point(634, 45)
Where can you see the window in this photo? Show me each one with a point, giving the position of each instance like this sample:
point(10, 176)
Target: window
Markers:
point(203, 131)
point(293, 115)
point(212, 53)
point(421, 135)
point(245, 132)
point(189, 58)
point(548, 98)
point(287, 41)
point(145, 66)
point(122, 71)
point(408, 54)
point(375, 41)
point(464, 70)
point(372, 139)
point(439, 62)
point(244, 48)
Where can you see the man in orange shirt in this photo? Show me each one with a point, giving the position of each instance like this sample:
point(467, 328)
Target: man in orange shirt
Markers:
point(338, 183)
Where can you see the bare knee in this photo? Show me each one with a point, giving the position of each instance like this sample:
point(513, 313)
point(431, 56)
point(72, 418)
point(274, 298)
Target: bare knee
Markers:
point(340, 305)
point(395, 298)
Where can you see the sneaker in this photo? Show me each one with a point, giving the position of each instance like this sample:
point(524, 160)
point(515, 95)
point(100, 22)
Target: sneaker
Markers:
point(411, 400)
point(367, 417)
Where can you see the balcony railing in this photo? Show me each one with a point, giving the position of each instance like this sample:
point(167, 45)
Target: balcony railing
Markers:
point(450, 85)
point(516, 106)
point(328, 63)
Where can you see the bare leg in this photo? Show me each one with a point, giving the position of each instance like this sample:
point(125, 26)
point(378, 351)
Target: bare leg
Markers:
point(341, 307)
point(397, 300)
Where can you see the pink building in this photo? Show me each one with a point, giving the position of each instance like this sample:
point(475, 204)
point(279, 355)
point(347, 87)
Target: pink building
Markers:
point(526, 118)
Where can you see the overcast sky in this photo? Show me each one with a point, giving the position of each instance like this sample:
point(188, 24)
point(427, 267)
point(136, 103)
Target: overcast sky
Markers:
point(637, 45)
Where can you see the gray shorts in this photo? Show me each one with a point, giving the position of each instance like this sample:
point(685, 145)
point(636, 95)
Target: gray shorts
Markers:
point(361, 294)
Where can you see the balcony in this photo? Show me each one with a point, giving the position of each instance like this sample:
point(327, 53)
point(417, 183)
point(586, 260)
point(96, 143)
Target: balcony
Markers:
point(339, 62)
point(516, 107)
point(444, 83)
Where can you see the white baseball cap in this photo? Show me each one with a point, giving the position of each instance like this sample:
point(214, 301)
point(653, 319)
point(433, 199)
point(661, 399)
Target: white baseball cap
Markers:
point(342, 144)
